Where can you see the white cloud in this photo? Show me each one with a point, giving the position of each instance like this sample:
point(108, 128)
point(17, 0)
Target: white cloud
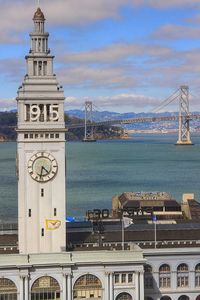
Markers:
point(88, 77)
point(116, 52)
point(165, 4)
point(16, 15)
point(112, 67)
point(130, 67)
point(133, 101)
point(7, 104)
point(177, 32)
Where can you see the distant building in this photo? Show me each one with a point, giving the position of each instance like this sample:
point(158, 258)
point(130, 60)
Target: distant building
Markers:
point(3, 138)
point(143, 205)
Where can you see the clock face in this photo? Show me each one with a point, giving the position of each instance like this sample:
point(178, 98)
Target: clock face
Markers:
point(42, 166)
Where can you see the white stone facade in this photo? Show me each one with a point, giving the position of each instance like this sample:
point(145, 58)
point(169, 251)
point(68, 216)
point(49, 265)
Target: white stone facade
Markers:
point(67, 268)
point(41, 150)
point(183, 273)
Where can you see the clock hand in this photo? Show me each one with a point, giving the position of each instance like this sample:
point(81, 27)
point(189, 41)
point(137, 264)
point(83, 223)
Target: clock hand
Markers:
point(41, 171)
point(43, 168)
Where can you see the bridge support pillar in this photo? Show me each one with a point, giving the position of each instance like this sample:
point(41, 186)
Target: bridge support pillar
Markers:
point(184, 117)
point(89, 129)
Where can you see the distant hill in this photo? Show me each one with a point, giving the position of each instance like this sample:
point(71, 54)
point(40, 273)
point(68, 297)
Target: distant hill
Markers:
point(107, 115)
point(8, 121)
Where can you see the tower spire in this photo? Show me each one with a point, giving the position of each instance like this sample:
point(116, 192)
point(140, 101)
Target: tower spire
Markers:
point(39, 38)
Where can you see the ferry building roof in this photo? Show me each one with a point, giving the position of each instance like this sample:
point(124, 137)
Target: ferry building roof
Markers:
point(71, 258)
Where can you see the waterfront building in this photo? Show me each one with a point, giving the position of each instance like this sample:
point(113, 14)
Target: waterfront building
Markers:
point(95, 266)
point(143, 205)
point(41, 268)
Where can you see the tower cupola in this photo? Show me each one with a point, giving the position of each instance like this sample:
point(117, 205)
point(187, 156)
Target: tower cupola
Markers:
point(39, 20)
point(38, 15)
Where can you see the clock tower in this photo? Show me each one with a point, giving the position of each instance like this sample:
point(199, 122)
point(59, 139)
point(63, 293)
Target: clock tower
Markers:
point(41, 150)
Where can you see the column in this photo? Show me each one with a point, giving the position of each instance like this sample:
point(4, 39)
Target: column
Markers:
point(155, 279)
point(64, 287)
point(173, 280)
point(36, 45)
point(111, 286)
point(192, 280)
point(136, 286)
point(106, 289)
point(69, 287)
point(42, 68)
point(26, 288)
point(21, 288)
point(141, 278)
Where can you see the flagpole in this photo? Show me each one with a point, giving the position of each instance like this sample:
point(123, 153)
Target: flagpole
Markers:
point(155, 234)
point(122, 233)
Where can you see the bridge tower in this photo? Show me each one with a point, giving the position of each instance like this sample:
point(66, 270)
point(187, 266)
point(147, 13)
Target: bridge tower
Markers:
point(89, 129)
point(184, 117)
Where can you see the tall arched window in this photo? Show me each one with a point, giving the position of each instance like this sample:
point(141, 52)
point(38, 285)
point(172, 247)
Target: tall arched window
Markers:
point(87, 287)
point(182, 275)
point(46, 288)
point(40, 68)
point(8, 289)
point(164, 276)
point(124, 296)
point(197, 275)
point(148, 277)
point(165, 298)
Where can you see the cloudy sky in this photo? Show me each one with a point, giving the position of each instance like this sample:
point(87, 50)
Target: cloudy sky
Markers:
point(124, 55)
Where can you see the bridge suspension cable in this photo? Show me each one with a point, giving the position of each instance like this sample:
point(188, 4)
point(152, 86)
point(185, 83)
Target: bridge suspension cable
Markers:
point(166, 102)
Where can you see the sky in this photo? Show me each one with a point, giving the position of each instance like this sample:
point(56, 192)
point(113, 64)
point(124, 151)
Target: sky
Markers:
point(124, 55)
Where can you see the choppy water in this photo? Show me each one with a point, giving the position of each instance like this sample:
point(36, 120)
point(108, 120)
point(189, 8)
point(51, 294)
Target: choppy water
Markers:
point(97, 171)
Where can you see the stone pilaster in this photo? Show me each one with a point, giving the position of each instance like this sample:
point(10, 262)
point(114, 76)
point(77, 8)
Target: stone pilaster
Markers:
point(136, 285)
point(141, 281)
point(69, 287)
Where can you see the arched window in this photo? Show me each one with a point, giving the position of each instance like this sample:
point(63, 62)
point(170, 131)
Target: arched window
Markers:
point(8, 290)
point(87, 287)
point(45, 287)
point(182, 275)
point(198, 297)
point(183, 298)
point(164, 276)
point(40, 68)
point(197, 275)
point(148, 277)
point(165, 298)
point(124, 296)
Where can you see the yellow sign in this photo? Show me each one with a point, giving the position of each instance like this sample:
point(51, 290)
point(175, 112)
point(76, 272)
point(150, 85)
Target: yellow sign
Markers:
point(52, 224)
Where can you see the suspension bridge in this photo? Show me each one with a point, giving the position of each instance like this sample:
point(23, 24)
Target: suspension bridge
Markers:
point(184, 117)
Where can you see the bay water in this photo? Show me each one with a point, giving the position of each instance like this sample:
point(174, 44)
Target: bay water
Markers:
point(97, 171)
